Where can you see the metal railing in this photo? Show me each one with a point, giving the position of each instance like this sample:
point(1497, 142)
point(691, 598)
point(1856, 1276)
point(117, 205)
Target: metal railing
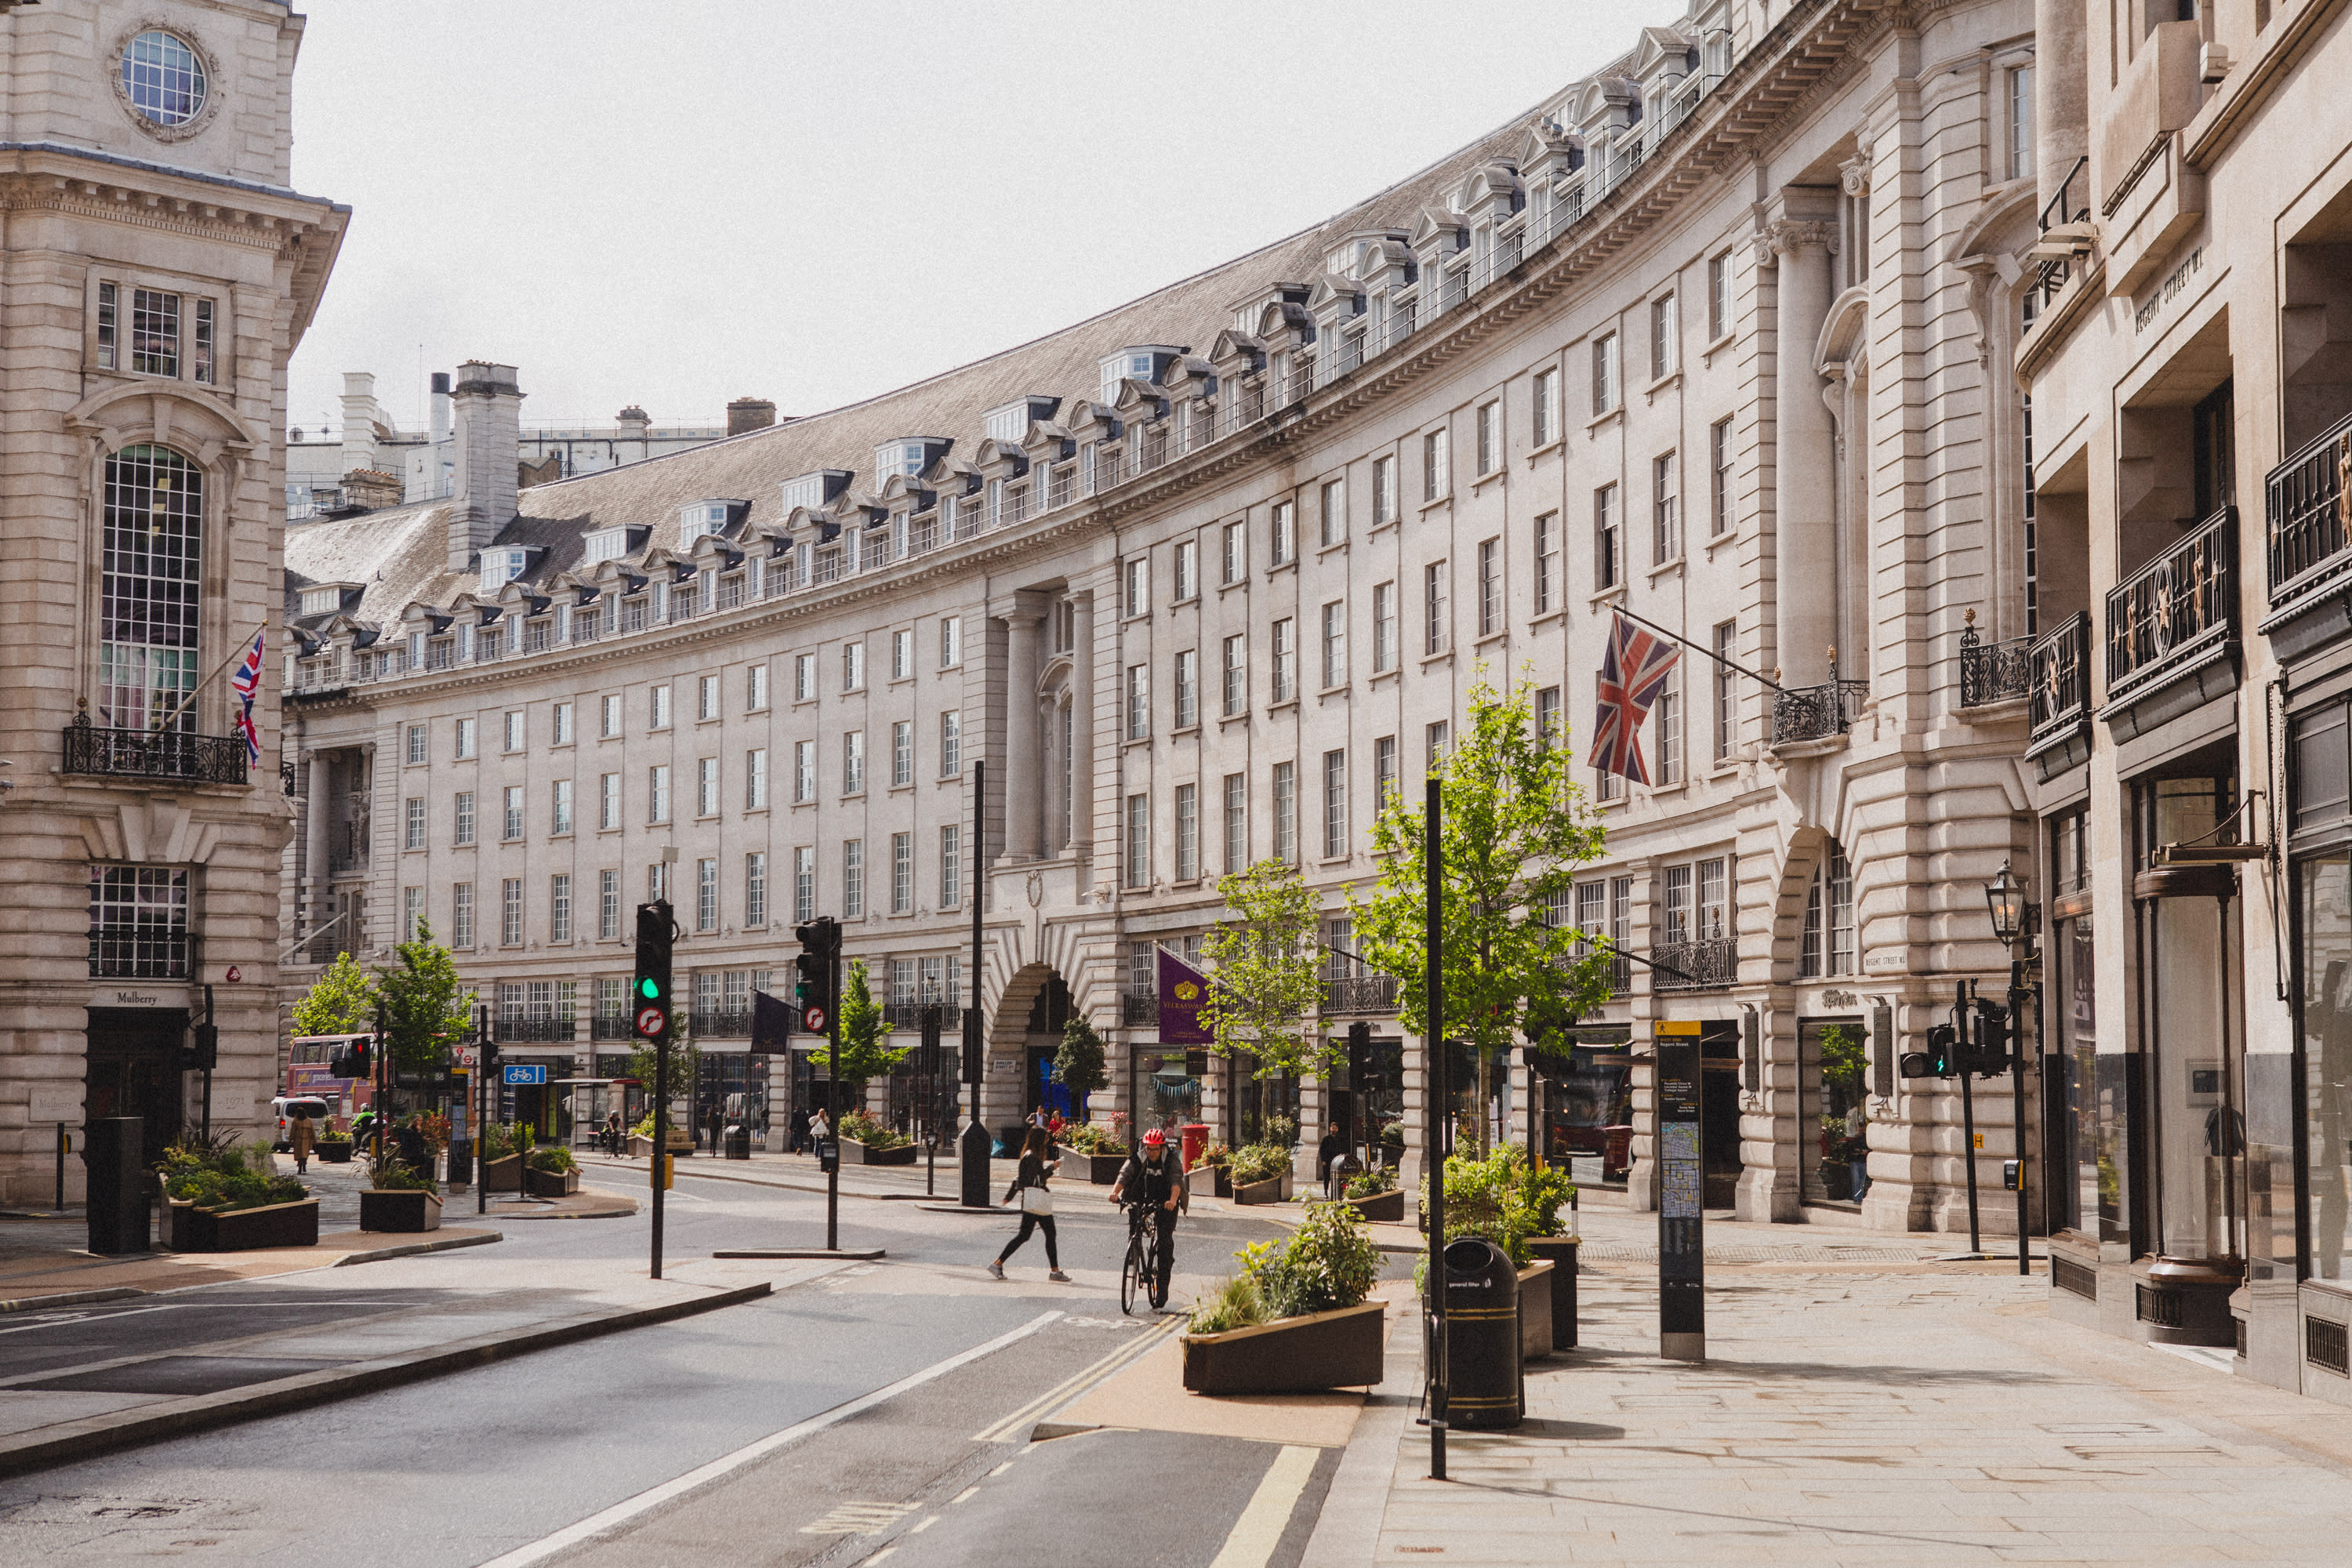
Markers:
point(721, 1025)
point(1816, 713)
point(2307, 513)
point(534, 1031)
point(908, 1016)
point(154, 753)
point(2053, 273)
point(2175, 610)
point(616, 1027)
point(1993, 672)
point(1135, 1009)
point(2061, 680)
point(1706, 965)
point(142, 952)
point(1246, 407)
point(1360, 994)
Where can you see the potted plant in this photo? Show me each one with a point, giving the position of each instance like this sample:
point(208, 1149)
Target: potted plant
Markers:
point(398, 1197)
point(1375, 1195)
point(1090, 1151)
point(551, 1173)
point(1501, 1199)
point(502, 1157)
point(1293, 1320)
point(1216, 1159)
point(225, 1198)
point(1551, 1239)
point(333, 1148)
point(865, 1142)
point(1259, 1172)
point(1836, 1170)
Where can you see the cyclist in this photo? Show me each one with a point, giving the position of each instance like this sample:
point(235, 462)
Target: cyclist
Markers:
point(1153, 1179)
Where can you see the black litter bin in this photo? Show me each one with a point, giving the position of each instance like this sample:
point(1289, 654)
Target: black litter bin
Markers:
point(738, 1141)
point(1344, 1169)
point(1484, 1389)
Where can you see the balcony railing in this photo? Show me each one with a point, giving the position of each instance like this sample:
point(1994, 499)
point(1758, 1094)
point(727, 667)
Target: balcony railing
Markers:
point(719, 1026)
point(2305, 509)
point(1708, 964)
point(2175, 613)
point(1360, 994)
point(1134, 1009)
point(908, 1016)
point(155, 755)
point(618, 1027)
point(2060, 677)
point(1993, 672)
point(142, 952)
point(536, 1031)
point(1816, 713)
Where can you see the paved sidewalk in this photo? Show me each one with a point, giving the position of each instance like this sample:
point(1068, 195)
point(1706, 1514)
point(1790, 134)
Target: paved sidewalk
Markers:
point(1907, 1412)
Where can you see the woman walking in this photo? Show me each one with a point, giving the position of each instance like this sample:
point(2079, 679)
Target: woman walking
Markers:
point(1036, 1201)
point(301, 1139)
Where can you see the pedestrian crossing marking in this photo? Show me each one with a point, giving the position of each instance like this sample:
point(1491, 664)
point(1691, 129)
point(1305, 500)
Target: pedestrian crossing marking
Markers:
point(858, 1517)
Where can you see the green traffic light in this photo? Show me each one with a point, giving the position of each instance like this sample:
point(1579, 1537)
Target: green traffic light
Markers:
point(649, 989)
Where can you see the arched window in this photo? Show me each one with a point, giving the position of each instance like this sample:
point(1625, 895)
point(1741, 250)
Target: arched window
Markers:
point(148, 592)
point(1828, 943)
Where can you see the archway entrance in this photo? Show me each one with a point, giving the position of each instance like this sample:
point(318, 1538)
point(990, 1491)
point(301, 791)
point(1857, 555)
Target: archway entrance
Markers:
point(1042, 1085)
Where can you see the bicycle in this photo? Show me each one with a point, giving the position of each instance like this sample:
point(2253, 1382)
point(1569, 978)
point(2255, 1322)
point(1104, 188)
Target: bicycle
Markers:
point(1142, 1266)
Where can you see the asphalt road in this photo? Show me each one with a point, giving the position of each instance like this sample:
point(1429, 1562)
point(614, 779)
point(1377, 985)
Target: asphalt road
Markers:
point(504, 1460)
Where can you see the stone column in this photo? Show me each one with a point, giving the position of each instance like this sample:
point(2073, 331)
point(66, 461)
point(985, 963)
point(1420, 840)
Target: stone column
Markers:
point(1082, 747)
point(317, 902)
point(1024, 751)
point(1804, 499)
point(2061, 101)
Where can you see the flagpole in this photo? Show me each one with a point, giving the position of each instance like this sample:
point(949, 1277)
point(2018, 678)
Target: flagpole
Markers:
point(236, 651)
point(1695, 647)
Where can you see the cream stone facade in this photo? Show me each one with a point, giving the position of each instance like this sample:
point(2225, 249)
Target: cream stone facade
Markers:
point(1721, 335)
point(160, 269)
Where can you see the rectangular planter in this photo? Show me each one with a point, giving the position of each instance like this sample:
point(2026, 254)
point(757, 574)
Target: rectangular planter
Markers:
point(1267, 1192)
point(1291, 1355)
point(640, 1147)
point(550, 1184)
point(853, 1152)
point(1102, 1170)
point(243, 1230)
point(1535, 1312)
point(397, 1210)
point(1387, 1207)
point(503, 1175)
point(1224, 1182)
point(332, 1153)
point(1560, 1251)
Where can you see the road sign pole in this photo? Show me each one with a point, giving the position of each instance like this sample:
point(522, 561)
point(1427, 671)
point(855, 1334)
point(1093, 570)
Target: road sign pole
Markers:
point(1962, 1044)
point(2017, 1097)
point(486, 1106)
point(833, 1077)
point(1435, 1092)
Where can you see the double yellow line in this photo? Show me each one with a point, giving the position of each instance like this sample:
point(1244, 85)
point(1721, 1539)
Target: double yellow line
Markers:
point(1069, 1388)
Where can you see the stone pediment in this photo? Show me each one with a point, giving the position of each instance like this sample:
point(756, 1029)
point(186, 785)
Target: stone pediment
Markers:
point(1001, 459)
point(1440, 227)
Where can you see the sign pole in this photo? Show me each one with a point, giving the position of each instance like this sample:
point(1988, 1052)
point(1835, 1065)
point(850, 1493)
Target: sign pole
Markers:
point(486, 1106)
point(833, 1077)
point(1682, 1186)
point(1433, 1091)
point(1962, 1047)
point(973, 1145)
point(2017, 1097)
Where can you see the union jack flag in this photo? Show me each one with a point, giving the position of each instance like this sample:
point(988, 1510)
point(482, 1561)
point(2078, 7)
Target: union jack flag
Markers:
point(247, 684)
point(1632, 672)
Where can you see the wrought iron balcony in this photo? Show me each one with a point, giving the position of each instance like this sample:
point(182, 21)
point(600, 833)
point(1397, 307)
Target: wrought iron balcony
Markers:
point(2061, 683)
point(1816, 713)
point(1709, 963)
point(1134, 1009)
point(1993, 672)
point(2175, 615)
point(618, 1027)
point(537, 1031)
point(1360, 994)
point(718, 1025)
point(142, 952)
point(155, 755)
point(908, 1016)
point(2305, 508)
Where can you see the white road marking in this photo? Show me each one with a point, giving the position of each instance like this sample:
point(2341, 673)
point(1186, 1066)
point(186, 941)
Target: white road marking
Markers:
point(1259, 1529)
point(621, 1512)
point(965, 1495)
point(925, 1525)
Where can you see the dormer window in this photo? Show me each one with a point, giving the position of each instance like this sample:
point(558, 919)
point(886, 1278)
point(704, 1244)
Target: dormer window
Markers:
point(703, 516)
point(814, 491)
point(321, 600)
point(897, 457)
point(502, 566)
point(607, 544)
point(1138, 363)
point(1010, 423)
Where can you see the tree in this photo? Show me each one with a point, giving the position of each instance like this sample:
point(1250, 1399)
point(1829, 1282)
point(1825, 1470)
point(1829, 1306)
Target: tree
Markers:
point(423, 1001)
point(340, 1002)
point(684, 1066)
point(865, 1052)
point(1515, 828)
point(1265, 973)
point(1080, 1060)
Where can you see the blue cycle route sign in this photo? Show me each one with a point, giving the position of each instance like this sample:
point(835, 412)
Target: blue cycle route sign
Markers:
point(518, 1074)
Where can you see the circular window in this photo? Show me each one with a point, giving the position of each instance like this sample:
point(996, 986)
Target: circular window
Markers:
point(163, 79)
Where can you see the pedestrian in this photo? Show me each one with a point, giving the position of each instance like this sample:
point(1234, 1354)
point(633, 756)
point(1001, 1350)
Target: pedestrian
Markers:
point(717, 1119)
point(1036, 1200)
point(1335, 1144)
point(819, 1130)
point(612, 1134)
point(301, 1139)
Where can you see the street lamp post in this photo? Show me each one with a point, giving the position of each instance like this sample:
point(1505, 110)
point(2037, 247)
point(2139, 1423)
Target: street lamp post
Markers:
point(2012, 922)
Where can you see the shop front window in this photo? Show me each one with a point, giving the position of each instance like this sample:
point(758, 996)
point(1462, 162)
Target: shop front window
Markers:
point(2324, 913)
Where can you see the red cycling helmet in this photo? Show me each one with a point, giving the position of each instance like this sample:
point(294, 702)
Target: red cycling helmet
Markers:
point(1153, 1139)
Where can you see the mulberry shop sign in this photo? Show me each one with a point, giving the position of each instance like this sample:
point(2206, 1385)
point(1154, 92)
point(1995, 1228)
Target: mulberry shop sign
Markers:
point(138, 996)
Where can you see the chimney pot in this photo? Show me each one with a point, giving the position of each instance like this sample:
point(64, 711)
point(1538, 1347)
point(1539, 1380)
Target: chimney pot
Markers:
point(750, 413)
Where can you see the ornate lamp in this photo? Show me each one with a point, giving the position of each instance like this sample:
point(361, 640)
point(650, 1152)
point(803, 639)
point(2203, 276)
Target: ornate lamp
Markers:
point(2005, 897)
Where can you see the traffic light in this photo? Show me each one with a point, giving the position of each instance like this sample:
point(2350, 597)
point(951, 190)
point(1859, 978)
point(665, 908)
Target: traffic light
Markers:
point(1935, 1061)
point(1989, 1052)
point(355, 1060)
point(929, 1060)
point(815, 973)
point(1361, 1068)
point(649, 1004)
point(203, 1048)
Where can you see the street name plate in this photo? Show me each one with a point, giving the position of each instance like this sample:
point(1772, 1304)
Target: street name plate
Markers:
point(1682, 1259)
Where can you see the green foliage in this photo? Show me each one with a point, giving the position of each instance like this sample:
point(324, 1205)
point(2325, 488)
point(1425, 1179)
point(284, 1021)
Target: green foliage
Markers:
point(1371, 1184)
point(1265, 973)
point(340, 1002)
point(330, 1135)
point(388, 1173)
point(865, 1051)
point(1234, 1304)
point(645, 1126)
point(1515, 828)
point(1087, 1138)
point(861, 1127)
point(552, 1157)
point(1843, 1059)
point(1079, 1062)
point(1216, 1155)
point(685, 1066)
point(422, 1001)
point(227, 1177)
point(1500, 1199)
point(1543, 1193)
point(1257, 1162)
point(1328, 1263)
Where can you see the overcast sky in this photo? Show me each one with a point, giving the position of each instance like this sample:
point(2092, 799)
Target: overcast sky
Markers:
point(678, 203)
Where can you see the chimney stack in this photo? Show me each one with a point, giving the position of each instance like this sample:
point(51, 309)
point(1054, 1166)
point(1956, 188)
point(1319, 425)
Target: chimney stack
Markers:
point(489, 408)
point(750, 413)
point(440, 406)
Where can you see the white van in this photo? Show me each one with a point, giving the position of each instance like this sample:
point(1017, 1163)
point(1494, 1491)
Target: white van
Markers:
point(286, 1108)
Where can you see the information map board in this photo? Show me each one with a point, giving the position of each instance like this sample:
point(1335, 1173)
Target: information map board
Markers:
point(1682, 1257)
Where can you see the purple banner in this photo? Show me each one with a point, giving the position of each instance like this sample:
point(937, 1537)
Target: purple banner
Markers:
point(1182, 991)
